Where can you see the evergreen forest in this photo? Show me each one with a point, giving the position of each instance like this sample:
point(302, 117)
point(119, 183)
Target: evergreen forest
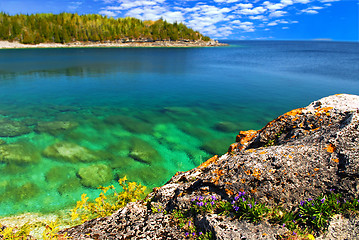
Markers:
point(71, 27)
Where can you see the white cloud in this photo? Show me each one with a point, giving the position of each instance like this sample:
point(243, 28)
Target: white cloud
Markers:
point(302, 1)
point(74, 5)
point(326, 1)
point(254, 11)
point(226, 1)
point(244, 5)
point(277, 14)
point(108, 13)
point(309, 11)
point(285, 27)
point(273, 6)
point(274, 23)
point(258, 17)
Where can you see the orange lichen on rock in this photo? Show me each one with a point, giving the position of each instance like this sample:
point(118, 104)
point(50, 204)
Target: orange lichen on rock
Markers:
point(336, 160)
point(234, 146)
point(331, 148)
point(245, 136)
point(316, 169)
point(209, 161)
point(263, 152)
point(229, 192)
point(323, 110)
point(256, 173)
point(218, 173)
point(294, 112)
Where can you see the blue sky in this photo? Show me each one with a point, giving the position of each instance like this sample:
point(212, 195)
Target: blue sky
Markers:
point(223, 19)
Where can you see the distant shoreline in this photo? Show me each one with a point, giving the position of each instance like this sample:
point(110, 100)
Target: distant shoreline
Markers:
point(16, 45)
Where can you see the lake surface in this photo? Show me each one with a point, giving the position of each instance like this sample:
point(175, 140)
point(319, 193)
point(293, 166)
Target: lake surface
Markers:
point(72, 119)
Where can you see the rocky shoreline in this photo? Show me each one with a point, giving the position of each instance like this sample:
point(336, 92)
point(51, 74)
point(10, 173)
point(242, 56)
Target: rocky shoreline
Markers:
point(293, 160)
point(180, 44)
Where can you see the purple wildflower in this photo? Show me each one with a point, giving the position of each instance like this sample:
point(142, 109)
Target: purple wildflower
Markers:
point(332, 189)
point(322, 200)
point(189, 223)
point(194, 234)
point(358, 201)
point(236, 198)
point(250, 205)
point(200, 198)
point(214, 198)
point(312, 204)
point(233, 202)
point(243, 199)
point(338, 201)
point(200, 233)
point(302, 203)
point(293, 221)
point(300, 215)
point(294, 233)
point(186, 234)
point(212, 203)
point(310, 199)
point(283, 225)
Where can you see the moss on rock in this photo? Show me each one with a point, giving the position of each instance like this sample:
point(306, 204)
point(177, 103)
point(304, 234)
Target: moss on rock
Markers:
point(142, 151)
point(19, 153)
point(55, 127)
point(95, 175)
point(10, 128)
point(131, 124)
point(70, 152)
point(70, 185)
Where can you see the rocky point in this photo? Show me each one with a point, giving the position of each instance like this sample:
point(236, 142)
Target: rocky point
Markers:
point(302, 154)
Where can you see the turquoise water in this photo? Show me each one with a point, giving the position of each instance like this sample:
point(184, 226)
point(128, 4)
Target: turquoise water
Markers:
point(72, 119)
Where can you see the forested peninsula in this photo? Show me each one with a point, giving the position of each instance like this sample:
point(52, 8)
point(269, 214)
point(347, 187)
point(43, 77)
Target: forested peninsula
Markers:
point(65, 28)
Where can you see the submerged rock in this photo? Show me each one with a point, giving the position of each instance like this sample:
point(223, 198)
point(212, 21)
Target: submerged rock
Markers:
point(131, 124)
point(60, 174)
point(300, 155)
point(142, 151)
point(95, 175)
point(70, 152)
point(217, 146)
point(55, 127)
point(70, 185)
point(227, 127)
point(19, 153)
point(10, 128)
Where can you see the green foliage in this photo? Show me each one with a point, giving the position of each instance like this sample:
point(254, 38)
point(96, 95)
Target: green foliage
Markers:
point(68, 27)
point(315, 213)
point(109, 200)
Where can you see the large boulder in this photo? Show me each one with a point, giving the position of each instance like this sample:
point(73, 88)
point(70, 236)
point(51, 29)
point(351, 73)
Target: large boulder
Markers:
point(298, 156)
point(70, 152)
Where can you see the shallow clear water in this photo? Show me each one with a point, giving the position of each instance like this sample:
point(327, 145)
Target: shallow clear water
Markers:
point(145, 112)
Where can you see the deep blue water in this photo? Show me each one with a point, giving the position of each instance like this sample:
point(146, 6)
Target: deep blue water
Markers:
point(185, 103)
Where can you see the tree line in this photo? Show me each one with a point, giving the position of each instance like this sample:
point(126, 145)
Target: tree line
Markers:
point(71, 27)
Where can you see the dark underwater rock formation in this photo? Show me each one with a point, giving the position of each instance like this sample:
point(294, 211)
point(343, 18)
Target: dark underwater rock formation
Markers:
point(301, 154)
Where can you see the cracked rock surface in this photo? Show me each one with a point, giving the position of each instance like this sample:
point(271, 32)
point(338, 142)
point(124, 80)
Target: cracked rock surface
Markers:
point(299, 155)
